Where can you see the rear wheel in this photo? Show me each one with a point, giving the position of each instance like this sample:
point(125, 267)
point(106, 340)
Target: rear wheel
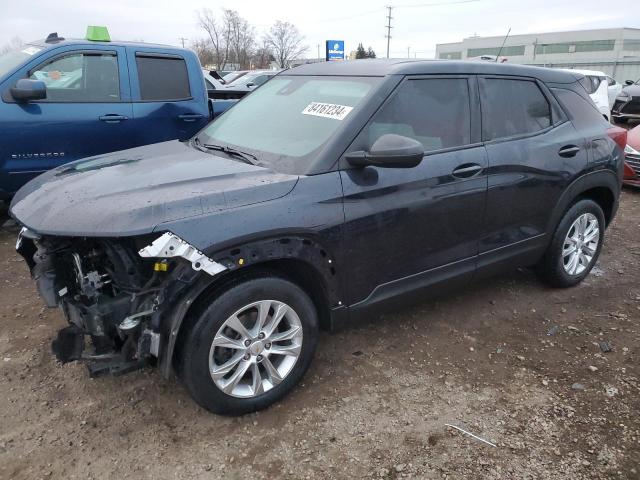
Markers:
point(250, 346)
point(575, 246)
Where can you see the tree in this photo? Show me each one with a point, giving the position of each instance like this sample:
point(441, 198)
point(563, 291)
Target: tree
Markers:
point(262, 57)
point(285, 42)
point(371, 53)
point(14, 43)
point(218, 34)
point(204, 52)
point(360, 52)
point(241, 38)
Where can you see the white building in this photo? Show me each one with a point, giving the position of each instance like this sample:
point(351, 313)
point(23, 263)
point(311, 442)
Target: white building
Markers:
point(615, 51)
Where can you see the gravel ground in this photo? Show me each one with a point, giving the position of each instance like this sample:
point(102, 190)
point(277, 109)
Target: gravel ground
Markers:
point(523, 366)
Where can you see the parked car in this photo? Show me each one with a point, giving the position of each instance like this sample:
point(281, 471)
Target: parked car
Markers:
point(213, 82)
point(251, 80)
point(63, 100)
point(217, 89)
point(632, 158)
point(614, 88)
point(231, 76)
point(627, 105)
point(371, 185)
point(597, 86)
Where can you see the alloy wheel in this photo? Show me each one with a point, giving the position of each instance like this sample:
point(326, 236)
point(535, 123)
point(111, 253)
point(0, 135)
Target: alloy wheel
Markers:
point(255, 348)
point(581, 244)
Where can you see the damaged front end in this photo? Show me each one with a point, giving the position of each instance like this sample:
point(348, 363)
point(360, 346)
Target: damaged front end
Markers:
point(116, 293)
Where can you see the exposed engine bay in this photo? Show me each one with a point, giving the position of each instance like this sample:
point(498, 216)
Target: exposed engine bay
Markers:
point(113, 292)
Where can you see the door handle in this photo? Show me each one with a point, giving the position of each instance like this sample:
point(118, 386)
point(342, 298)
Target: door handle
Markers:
point(467, 170)
point(190, 117)
point(112, 118)
point(569, 151)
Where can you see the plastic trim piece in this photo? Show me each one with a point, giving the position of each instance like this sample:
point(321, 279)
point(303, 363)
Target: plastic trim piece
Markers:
point(170, 245)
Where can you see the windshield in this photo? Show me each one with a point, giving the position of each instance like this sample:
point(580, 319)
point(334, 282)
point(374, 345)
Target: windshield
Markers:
point(14, 58)
point(285, 122)
point(251, 77)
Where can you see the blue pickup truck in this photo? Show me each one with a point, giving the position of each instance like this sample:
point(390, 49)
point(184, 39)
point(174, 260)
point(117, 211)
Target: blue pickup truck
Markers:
point(62, 100)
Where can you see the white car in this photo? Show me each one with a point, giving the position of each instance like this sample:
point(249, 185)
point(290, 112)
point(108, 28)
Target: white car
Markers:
point(614, 90)
point(597, 87)
point(212, 82)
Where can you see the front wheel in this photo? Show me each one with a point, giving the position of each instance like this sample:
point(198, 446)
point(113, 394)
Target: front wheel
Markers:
point(250, 346)
point(575, 246)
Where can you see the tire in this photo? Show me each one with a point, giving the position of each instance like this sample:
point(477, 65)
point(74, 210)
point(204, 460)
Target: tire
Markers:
point(556, 269)
point(200, 359)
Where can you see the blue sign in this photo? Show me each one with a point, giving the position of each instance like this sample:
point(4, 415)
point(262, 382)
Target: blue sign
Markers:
point(335, 50)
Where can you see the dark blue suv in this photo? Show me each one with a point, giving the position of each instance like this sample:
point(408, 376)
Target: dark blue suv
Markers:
point(62, 100)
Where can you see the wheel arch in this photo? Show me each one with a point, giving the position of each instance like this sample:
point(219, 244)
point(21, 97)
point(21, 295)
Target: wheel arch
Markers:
point(603, 187)
point(299, 259)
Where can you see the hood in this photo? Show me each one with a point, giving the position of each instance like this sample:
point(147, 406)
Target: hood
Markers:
point(633, 137)
point(135, 191)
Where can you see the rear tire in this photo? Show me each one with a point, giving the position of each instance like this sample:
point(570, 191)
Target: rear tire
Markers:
point(573, 252)
point(251, 350)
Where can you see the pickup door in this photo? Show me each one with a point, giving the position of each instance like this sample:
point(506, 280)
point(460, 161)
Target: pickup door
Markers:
point(169, 95)
point(86, 112)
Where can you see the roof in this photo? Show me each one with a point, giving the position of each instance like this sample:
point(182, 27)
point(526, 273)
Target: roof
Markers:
point(81, 41)
point(383, 67)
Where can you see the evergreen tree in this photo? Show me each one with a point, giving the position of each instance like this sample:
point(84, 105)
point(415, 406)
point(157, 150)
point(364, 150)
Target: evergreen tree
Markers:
point(370, 53)
point(360, 52)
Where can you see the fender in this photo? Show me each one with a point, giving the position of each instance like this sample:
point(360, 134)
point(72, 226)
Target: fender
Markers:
point(600, 178)
point(239, 256)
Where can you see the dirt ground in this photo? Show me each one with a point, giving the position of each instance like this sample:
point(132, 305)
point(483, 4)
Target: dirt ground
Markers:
point(518, 364)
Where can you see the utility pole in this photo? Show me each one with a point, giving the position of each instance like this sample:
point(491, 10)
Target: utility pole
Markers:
point(182, 39)
point(388, 27)
point(408, 54)
point(318, 51)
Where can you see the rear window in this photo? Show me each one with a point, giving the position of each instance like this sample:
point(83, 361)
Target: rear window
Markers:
point(513, 107)
point(162, 78)
point(582, 110)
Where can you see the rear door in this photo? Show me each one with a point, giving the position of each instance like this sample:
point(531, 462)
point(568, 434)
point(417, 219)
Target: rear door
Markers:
point(534, 153)
point(169, 100)
point(86, 112)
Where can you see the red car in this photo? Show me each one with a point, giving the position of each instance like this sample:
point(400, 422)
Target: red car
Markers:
point(632, 158)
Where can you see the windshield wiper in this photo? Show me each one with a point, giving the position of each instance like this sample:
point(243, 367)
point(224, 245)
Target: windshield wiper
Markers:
point(244, 156)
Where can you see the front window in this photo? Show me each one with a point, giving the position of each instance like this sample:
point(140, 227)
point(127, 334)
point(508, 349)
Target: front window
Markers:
point(12, 59)
point(289, 119)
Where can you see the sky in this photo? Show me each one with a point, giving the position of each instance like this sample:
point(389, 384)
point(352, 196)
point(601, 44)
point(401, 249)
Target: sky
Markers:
point(418, 25)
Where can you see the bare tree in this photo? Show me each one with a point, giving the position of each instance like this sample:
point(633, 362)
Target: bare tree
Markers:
point(218, 34)
point(241, 38)
point(14, 43)
point(262, 57)
point(204, 52)
point(285, 42)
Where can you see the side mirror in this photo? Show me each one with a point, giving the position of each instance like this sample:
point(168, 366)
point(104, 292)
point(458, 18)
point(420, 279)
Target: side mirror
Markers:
point(251, 84)
point(26, 90)
point(629, 82)
point(389, 151)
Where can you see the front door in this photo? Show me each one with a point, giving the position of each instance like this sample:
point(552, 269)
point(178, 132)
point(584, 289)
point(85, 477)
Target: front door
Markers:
point(85, 113)
point(408, 228)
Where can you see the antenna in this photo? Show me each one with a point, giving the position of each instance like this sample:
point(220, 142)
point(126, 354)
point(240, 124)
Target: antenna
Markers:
point(502, 46)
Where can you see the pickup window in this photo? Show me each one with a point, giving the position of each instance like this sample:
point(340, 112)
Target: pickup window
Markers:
point(80, 77)
point(162, 78)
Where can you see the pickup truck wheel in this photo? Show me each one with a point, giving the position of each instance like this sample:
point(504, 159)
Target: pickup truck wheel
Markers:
point(250, 346)
point(575, 246)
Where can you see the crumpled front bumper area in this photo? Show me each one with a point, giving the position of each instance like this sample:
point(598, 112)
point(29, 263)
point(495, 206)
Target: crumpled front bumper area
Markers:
point(114, 293)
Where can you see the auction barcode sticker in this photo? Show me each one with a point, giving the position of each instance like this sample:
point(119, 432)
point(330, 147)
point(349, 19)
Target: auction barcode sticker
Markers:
point(328, 110)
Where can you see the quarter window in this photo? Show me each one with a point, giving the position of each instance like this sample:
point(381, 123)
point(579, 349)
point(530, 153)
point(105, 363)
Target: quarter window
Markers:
point(80, 77)
point(162, 78)
point(435, 112)
point(513, 107)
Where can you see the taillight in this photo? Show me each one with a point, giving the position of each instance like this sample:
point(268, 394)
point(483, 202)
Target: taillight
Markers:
point(618, 135)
